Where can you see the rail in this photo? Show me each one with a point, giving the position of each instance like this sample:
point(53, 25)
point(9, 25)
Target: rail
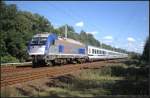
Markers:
point(23, 63)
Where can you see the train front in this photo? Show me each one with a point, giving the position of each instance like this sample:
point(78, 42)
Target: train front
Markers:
point(36, 48)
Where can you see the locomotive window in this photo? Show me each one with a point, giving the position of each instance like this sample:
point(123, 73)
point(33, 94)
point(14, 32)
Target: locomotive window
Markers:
point(39, 41)
point(34, 41)
point(42, 40)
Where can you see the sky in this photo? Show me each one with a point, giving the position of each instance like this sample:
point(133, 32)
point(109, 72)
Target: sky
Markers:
point(122, 24)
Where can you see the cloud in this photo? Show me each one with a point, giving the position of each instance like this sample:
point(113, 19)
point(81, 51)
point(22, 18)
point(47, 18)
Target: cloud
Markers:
point(108, 37)
point(136, 46)
point(116, 46)
point(130, 39)
point(93, 32)
point(56, 25)
point(80, 24)
point(108, 41)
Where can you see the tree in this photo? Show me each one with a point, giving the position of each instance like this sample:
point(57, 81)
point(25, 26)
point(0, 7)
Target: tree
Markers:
point(146, 52)
point(17, 28)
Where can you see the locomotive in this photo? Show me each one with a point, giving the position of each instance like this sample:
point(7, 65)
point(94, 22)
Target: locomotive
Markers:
point(51, 49)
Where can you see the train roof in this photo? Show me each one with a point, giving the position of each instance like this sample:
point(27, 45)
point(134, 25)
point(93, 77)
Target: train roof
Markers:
point(105, 49)
point(70, 40)
point(97, 48)
point(42, 35)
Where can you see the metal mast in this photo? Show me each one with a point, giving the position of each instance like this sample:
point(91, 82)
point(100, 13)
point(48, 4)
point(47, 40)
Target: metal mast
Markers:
point(66, 31)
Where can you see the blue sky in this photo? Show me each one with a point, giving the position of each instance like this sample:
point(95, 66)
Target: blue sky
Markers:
point(123, 24)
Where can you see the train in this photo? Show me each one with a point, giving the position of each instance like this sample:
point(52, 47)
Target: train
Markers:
point(50, 49)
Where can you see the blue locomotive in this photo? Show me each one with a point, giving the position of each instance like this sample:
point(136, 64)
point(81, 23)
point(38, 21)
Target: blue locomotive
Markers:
point(51, 49)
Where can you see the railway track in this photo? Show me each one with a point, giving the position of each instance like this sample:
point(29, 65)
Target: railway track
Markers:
point(14, 69)
point(32, 74)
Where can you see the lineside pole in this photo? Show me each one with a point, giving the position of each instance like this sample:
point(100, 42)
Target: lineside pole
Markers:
point(66, 31)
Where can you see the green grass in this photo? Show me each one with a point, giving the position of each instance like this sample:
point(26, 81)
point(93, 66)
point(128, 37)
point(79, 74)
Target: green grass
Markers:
point(88, 83)
point(110, 80)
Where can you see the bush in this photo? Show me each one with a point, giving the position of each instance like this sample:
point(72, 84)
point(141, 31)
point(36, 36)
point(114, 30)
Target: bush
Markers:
point(9, 59)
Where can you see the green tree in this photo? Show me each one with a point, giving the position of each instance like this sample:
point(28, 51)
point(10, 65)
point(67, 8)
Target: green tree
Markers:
point(17, 28)
point(146, 52)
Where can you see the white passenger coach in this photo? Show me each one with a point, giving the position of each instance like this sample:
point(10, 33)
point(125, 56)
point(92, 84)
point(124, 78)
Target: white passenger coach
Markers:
point(95, 53)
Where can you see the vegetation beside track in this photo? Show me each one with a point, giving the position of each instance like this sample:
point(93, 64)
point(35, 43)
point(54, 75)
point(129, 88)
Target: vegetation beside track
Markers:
point(117, 79)
point(114, 80)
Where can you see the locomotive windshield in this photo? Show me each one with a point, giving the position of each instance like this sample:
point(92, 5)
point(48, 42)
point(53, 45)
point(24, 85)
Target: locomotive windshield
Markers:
point(39, 41)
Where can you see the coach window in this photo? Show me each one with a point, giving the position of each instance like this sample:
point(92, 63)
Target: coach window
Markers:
point(89, 50)
point(97, 51)
point(103, 52)
point(92, 51)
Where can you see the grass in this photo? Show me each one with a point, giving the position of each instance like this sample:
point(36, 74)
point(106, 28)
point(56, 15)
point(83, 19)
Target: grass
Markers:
point(117, 79)
point(88, 83)
point(9, 92)
point(110, 80)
